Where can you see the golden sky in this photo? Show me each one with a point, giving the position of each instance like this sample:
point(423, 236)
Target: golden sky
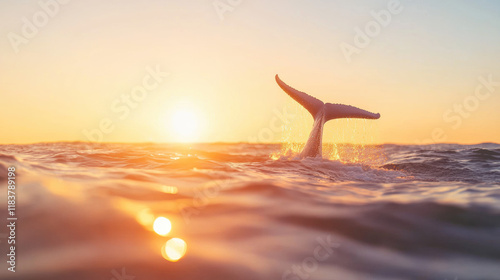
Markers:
point(69, 70)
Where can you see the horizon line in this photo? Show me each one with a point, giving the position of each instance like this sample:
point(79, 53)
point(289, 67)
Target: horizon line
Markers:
point(243, 142)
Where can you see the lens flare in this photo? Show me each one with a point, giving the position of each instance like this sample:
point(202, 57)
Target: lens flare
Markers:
point(162, 226)
point(174, 249)
point(145, 217)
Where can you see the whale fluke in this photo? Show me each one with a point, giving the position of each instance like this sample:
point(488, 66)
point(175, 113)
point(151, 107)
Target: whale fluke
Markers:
point(321, 113)
point(338, 111)
point(312, 104)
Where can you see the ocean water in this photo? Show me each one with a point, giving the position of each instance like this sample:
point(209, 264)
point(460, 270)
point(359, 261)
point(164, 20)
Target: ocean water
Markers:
point(253, 211)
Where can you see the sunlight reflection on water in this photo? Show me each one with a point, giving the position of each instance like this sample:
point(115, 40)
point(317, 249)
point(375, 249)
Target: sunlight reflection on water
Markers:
point(162, 226)
point(174, 249)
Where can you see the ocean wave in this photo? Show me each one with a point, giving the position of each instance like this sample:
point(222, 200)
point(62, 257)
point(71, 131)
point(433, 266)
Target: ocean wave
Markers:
point(241, 209)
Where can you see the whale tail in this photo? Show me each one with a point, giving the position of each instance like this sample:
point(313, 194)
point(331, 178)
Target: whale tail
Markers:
point(322, 113)
point(332, 111)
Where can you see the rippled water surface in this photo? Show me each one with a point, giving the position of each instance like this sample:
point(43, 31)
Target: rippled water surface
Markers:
point(243, 211)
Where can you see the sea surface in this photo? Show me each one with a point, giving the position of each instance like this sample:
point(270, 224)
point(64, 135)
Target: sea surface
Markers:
point(252, 211)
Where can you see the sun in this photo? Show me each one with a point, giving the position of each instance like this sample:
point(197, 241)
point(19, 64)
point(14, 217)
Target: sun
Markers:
point(184, 124)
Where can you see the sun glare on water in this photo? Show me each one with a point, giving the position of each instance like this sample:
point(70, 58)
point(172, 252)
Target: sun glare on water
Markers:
point(174, 249)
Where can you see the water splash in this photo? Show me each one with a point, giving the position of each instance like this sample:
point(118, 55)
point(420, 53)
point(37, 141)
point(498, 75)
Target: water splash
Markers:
point(344, 140)
point(352, 141)
point(295, 132)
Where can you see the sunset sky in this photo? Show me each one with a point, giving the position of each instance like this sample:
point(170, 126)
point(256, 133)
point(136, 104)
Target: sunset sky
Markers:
point(433, 70)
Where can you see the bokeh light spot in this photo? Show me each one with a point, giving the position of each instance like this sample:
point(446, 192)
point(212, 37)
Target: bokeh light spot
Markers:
point(162, 226)
point(174, 249)
point(170, 189)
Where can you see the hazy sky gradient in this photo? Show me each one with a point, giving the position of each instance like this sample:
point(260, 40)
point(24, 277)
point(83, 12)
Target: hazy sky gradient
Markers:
point(67, 77)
